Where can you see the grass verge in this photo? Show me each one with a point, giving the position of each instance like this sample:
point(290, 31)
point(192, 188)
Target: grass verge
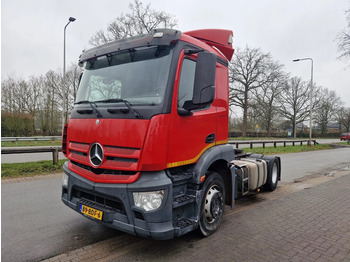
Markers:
point(242, 138)
point(31, 143)
point(14, 170)
point(288, 149)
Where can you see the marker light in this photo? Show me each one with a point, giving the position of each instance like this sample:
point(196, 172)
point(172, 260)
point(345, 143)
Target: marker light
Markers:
point(158, 35)
point(230, 39)
point(148, 201)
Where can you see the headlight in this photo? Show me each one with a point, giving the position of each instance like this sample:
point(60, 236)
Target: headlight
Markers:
point(148, 201)
point(65, 180)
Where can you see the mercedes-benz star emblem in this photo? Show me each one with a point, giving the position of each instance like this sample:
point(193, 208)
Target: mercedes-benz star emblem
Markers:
point(96, 154)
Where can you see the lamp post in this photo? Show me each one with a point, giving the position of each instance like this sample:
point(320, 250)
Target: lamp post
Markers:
point(71, 19)
point(311, 90)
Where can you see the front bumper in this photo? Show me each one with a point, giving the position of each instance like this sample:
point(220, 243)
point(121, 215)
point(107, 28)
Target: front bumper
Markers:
point(116, 202)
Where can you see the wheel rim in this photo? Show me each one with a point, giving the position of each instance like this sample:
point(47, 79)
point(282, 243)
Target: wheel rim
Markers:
point(213, 204)
point(274, 173)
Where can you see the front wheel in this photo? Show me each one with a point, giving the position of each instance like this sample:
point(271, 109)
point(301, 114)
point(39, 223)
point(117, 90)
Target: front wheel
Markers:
point(213, 203)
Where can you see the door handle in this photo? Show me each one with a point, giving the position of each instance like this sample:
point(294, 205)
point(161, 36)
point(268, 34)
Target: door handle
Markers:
point(210, 138)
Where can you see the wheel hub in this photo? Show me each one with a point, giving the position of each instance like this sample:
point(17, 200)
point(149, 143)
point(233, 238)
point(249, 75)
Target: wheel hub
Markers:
point(274, 173)
point(213, 204)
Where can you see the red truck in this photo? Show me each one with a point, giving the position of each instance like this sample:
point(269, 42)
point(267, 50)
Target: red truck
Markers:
point(147, 140)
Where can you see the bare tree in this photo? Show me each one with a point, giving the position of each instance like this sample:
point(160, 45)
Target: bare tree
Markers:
point(328, 105)
point(20, 92)
point(339, 116)
point(266, 96)
point(294, 101)
point(141, 20)
point(33, 97)
point(40, 97)
point(72, 81)
point(346, 119)
point(343, 39)
point(50, 114)
point(19, 95)
point(250, 69)
point(7, 92)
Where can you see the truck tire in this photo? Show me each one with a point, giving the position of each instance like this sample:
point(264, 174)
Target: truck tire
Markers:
point(213, 203)
point(272, 178)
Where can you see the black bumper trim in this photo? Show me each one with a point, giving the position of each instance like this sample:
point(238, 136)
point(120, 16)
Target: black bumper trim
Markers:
point(156, 224)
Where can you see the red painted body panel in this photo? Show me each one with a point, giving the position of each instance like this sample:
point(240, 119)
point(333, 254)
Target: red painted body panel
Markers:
point(188, 133)
point(221, 102)
point(217, 37)
point(125, 179)
point(112, 132)
point(144, 142)
point(121, 139)
point(154, 153)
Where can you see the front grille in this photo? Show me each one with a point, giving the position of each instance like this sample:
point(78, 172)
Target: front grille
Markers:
point(131, 160)
point(78, 153)
point(112, 204)
point(115, 157)
point(103, 171)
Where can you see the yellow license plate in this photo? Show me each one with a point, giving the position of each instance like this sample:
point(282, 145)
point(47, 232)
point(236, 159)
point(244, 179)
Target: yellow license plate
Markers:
point(91, 212)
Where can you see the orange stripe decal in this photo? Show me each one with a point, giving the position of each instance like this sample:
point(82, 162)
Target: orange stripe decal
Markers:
point(193, 160)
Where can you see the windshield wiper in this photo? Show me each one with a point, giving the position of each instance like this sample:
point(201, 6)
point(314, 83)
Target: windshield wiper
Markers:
point(93, 106)
point(120, 100)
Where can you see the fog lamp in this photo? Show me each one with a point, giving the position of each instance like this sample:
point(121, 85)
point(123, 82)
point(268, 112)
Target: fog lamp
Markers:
point(148, 201)
point(65, 180)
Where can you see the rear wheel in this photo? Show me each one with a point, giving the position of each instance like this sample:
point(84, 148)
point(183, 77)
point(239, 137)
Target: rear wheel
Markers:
point(213, 203)
point(272, 178)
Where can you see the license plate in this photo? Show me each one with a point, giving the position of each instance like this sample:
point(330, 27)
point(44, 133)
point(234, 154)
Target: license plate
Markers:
point(91, 212)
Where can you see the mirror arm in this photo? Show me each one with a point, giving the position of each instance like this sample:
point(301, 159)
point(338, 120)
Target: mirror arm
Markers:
point(192, 51)
point(184, 112)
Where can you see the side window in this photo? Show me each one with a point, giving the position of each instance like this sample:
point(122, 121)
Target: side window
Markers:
point(186, 83)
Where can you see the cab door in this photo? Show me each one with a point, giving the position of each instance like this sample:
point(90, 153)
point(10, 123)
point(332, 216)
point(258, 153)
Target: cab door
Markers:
point(193, 127)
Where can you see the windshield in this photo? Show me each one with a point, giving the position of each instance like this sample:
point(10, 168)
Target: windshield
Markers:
point(137, 75)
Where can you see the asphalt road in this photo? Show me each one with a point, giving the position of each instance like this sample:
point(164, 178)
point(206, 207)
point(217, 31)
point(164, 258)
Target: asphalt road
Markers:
point(297, 165)
point(32, 157)
point(36, 225)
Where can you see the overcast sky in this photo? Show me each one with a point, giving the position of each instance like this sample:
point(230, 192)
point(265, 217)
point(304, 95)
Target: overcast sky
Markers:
point(32, 32)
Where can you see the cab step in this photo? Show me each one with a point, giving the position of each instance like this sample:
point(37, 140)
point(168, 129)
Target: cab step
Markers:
point(183, 200)
point(184, 226)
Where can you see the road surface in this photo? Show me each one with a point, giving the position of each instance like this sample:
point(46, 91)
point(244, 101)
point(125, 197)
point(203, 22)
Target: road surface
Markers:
point(296, 165)
point(36, 225)
point(31, 157)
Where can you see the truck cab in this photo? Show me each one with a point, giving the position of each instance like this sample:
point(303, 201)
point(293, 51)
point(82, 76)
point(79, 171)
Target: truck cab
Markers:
point(146, 141)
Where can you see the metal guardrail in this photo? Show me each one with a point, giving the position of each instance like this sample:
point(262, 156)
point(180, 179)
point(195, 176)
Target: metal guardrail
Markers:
point(39, 138)
point(274, 142)
point(24, 150)
point(55, 150)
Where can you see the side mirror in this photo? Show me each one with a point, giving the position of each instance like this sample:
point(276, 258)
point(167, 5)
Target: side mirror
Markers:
point(204, 83)
point(204, 80)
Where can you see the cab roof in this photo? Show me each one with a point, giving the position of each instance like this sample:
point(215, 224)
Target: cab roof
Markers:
point(219, 38)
